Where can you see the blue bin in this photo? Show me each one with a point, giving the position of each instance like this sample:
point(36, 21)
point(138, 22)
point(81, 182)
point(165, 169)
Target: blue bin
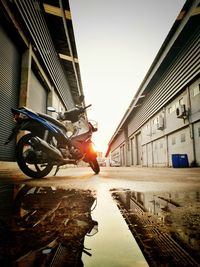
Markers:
point(175, 161)
point(180, 161)
point(183, 161)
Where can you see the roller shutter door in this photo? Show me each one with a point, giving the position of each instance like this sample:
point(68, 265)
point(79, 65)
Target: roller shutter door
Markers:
point(37, 95)
point(10, 62)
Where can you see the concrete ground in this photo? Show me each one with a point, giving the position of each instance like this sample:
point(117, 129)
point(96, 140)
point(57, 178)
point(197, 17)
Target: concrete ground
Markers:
point(160, 207)
point(185, 177)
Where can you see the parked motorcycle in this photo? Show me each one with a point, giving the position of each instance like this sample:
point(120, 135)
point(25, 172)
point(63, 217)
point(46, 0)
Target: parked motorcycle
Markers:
point(53, 142)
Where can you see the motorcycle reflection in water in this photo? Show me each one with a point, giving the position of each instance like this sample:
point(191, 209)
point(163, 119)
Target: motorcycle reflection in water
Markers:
point(53, 142)
point(48, 227)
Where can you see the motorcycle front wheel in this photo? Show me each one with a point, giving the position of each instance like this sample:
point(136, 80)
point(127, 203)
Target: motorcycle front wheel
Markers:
point(25, 157)
point(95, 166)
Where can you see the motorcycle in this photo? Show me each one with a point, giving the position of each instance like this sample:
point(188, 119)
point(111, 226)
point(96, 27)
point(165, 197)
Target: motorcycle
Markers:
point(53, 142)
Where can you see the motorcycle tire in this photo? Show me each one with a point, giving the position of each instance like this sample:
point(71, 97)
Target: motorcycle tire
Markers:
point(32, 170)
point(95, 166)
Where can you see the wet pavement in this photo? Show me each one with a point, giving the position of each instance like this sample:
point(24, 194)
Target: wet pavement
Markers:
point(120, 217)
point(164, 224)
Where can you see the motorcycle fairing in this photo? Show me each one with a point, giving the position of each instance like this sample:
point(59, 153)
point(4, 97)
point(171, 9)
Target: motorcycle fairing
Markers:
point(34, 116)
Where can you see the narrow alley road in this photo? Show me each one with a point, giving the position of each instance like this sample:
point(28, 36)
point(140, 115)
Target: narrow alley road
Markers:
point(120, 217)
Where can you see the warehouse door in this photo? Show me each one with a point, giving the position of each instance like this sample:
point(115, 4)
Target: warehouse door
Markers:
point(122, 154)
point(197, 142)
point(10, 62)
point(139, 149)
point(149, 155)
point(132, 150)
point(37, 95)
point(144, 155)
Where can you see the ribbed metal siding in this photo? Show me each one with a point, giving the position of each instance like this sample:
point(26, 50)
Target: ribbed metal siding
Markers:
point(118, 141)
point(37, 95)
point(182, 70)
point(10, 62)
point(36, 24)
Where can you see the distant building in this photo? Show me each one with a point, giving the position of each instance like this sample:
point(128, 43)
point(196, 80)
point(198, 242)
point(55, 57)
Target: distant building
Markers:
point(38, 61)
point(101, 159)
point(163, 119)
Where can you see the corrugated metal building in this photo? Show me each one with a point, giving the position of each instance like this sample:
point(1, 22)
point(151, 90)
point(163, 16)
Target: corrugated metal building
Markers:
point(163, 119)
point(38, 61)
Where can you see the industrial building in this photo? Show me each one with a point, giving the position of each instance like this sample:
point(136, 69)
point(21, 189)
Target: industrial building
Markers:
point(161, 126)
point(38, 61)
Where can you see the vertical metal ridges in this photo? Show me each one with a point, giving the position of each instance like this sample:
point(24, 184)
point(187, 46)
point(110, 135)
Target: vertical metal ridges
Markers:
point(35, 22)
point(180, 72)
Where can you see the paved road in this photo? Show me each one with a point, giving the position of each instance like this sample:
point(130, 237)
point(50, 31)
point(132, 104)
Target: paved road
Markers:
point(154, 175)
point(137, 214)
point(139, 179)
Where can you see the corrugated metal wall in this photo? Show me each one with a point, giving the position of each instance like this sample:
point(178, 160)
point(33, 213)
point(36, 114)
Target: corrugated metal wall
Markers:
point(181, 71)
point(37, 95)
point(36, 24)
point(118, 141)
point(10, 62)
point(197, 141)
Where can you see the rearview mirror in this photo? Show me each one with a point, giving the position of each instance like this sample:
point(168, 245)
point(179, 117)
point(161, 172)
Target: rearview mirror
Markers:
point(51, 109)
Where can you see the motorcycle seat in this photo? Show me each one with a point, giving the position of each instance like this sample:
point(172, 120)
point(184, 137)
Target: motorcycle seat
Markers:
point(49, 118)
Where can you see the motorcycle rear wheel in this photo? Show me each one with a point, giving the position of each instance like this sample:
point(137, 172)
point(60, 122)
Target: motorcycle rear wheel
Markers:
point(35, 170)
point(95, 166)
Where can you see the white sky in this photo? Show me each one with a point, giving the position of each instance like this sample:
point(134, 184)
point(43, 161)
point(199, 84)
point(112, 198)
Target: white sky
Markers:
point(117, 41)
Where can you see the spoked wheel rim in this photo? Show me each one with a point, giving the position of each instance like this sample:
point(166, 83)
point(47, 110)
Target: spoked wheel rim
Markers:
point(27, 159)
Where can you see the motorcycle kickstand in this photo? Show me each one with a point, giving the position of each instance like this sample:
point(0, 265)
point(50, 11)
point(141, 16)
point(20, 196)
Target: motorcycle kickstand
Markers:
point(57, 169)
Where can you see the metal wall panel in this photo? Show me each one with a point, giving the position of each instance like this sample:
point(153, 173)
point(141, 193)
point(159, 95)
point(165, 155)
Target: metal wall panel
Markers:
point(194, 91)
point(118, 141)
point(122, 155)
point(132, 148)
point(159, 152)
point(180, 143)
point(139, 148)
point(181, 71)
point(197, 142)
point(37, 95)
point(149, 155)
point(10, 62)
point(144, 155)
point(36, 24)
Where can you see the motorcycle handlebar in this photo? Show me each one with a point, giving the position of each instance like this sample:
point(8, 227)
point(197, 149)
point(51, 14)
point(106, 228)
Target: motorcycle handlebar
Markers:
point(87, 106)
point(72, 114)
point(81, 109)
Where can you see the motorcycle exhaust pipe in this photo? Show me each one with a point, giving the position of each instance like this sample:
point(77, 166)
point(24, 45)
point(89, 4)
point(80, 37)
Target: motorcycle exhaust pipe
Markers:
point(53, 152)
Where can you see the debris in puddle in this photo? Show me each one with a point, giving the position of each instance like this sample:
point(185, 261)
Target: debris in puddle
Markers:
point(48, 227)
point(165, 225)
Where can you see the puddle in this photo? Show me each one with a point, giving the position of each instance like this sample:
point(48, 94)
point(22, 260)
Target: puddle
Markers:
point(48, 226)
point(44, 226)
point(165, 225)
point(114, 245)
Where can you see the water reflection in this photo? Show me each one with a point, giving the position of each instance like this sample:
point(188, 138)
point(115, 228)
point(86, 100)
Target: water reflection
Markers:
point(44, 226)
point(114, 245)
point(165, 225)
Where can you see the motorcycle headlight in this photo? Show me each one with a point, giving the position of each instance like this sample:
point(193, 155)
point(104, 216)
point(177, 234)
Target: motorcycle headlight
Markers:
point(93, 147)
